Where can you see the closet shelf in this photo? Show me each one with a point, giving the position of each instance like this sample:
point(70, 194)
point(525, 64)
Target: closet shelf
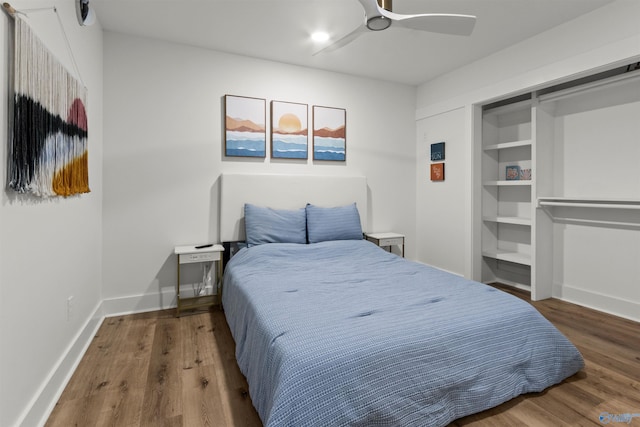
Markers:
point(596, 203)
point(506, 183)
point(515, 257)
point(508, 220)
point(512, 144)
point(509, 108)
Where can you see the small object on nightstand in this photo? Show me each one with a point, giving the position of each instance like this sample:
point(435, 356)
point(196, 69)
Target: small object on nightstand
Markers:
point(386, 240)
point(208, 253)
point(204, 246)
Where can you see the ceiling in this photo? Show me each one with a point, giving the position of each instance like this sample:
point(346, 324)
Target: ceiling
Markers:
point(279, 30)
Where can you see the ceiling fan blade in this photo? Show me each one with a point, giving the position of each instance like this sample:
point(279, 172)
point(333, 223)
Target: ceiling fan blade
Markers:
point(345, 40)
point(445, 23)
point(371, 8)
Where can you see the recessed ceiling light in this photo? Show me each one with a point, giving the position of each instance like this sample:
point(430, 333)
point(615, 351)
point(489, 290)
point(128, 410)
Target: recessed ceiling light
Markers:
point(320, 36)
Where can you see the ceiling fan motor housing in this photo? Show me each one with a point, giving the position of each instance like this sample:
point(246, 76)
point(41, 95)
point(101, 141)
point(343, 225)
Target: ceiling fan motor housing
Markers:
point(378, 23)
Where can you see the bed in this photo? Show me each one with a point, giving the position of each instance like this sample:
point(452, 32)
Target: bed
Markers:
point(338, 332)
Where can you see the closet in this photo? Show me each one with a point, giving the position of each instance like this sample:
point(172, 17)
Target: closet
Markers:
point(560, 189)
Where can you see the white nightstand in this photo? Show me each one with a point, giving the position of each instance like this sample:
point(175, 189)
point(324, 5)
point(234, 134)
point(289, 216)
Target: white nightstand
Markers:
point(191, 255)
point(386, 240)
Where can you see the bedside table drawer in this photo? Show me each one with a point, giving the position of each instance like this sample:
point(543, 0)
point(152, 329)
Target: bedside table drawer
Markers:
point(199, 257)
point(391, 241)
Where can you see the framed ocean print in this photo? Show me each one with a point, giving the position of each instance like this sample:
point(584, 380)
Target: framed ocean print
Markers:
point(245, 126)
point(329, 133)
point(437, 151)
point(289, 130)
point(437, 172)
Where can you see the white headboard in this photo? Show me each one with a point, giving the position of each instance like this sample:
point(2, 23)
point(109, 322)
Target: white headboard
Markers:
point(285, 192)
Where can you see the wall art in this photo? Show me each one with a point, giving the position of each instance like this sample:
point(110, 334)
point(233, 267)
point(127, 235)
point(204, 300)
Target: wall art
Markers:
point(289, 130)
point(437, 172)
point(512, 173)
point(245, 126)
point(437, 151)
point(47, 153)
point(329, 133)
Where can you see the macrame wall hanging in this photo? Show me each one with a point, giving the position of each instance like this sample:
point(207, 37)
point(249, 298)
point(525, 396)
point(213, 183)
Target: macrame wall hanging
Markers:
point(48, 147)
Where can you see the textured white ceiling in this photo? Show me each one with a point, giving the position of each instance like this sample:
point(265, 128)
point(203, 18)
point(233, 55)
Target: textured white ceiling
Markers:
point(279, 30)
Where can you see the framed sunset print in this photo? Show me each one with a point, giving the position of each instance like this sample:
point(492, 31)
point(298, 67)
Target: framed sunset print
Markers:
point(289, 130)
point(245, 126)
point(329, 133)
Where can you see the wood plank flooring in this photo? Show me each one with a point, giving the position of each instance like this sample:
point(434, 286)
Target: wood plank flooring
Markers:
point(153, 369)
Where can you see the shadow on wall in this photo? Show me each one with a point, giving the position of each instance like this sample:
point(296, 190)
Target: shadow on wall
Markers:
point(161, 292)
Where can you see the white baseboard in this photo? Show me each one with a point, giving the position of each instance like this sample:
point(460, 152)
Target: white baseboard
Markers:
point(44, 400)
point(41, 405)
point(605, 303)
point(439, 268)
point(139, 303)
point(147, 302)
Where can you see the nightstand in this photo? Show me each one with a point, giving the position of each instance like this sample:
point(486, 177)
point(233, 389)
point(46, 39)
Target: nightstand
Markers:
point(385, 240)
point(192, 255)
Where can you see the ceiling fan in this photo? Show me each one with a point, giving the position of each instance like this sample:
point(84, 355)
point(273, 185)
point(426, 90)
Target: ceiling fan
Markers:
point(378, 16)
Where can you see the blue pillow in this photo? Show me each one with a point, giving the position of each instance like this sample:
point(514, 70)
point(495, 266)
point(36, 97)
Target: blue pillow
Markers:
point(266, 225)
point(339, 223)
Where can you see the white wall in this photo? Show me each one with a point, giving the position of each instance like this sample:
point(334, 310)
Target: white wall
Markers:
point(440, 205)
point(164, 152)
point(596, 39)
point(49, 249)
point(597, 147)
point(594, 42)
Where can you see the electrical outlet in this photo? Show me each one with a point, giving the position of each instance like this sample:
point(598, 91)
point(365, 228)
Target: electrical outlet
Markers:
point(70, 308)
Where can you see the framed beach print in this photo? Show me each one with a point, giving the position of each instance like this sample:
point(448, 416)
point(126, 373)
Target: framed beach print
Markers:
point(245, 126)
point(329, 133)
point(289, 130)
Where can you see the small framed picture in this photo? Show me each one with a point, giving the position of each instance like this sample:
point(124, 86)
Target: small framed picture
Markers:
point(437, 151)
point(525, 174)
point(512, 173)
point(437, 172)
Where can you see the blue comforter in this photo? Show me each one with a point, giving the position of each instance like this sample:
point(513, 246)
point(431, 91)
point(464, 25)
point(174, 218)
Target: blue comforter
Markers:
point(343, 333)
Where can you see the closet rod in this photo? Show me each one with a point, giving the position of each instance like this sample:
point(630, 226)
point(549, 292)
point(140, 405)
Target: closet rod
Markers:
point(598, 222)
point(591, 205)
point(588, 87)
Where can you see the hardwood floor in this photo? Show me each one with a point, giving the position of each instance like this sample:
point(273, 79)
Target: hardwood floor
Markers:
point(153, 369)
point(610, 381)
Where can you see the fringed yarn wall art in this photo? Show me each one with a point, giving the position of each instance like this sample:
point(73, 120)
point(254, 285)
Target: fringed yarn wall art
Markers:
point(48, 148)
